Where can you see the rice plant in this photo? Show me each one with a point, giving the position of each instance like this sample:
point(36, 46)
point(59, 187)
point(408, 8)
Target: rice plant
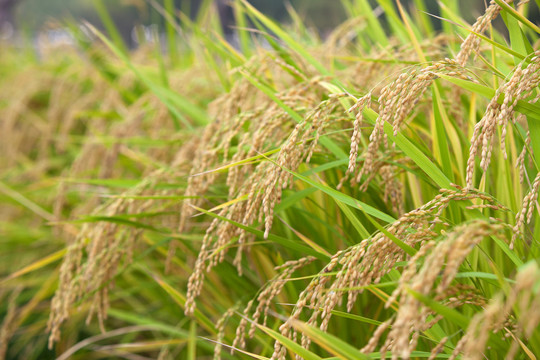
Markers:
point(369, 195)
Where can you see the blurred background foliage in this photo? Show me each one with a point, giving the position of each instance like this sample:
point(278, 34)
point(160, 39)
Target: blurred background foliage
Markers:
point(31, 16)
point(34, 14)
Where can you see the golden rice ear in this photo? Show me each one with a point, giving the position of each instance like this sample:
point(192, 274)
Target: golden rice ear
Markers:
point(264, 299)
point(521, 85)
point(91, 262)
point(366, 263)
point(523, 299)
point(398, 98)
point(525, 214)
point(262, 187)
point(472, 42)
point(362, 103)
point(396, 101)
point(220, 327)
point(8, 325)
point(445, 256)
point(520, 163)
point(247, 124)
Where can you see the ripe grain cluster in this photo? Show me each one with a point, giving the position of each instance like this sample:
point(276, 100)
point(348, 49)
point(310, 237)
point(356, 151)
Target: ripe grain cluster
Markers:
point(291, 197)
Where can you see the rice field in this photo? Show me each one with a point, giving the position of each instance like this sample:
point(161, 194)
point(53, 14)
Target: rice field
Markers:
point(369, 195)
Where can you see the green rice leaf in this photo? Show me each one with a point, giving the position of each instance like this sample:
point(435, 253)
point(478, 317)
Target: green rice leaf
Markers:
point(448, 313)
point(344, 198)
point(274, 238)
point(330, 343)
point(283, 35)
point(289, 344)
point(515, 14)
point(176, 103)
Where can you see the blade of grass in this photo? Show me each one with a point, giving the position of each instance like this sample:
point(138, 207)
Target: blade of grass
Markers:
point(110, 26)
point(423, 16)
point(36, 265)
point(441, 128)
point(518, 40)
point(170, 27)
point(368, 210)
point(137, 318)
point(192, 341)
point(412, 32)
point(27, 203)
point(289, 344)
point(532, 111)
point(180, 299)
point(328, 143)
point(330, 343)
point(274, 238)
point(364, 234)
point(174, 102)
point(413, 152)
point(398, 29)
point(122, 221)
point(376, 31)
point(344, 198)
point(282, 34)
point(514, 13)
point(451, 315)
point(241, 23)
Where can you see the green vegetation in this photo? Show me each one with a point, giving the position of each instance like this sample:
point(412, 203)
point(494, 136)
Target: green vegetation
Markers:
point(371, 195)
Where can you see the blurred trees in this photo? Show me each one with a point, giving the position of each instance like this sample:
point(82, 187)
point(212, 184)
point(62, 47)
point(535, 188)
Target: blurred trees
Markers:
point(33, 14)
point(6, 13)
point(321, 14)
